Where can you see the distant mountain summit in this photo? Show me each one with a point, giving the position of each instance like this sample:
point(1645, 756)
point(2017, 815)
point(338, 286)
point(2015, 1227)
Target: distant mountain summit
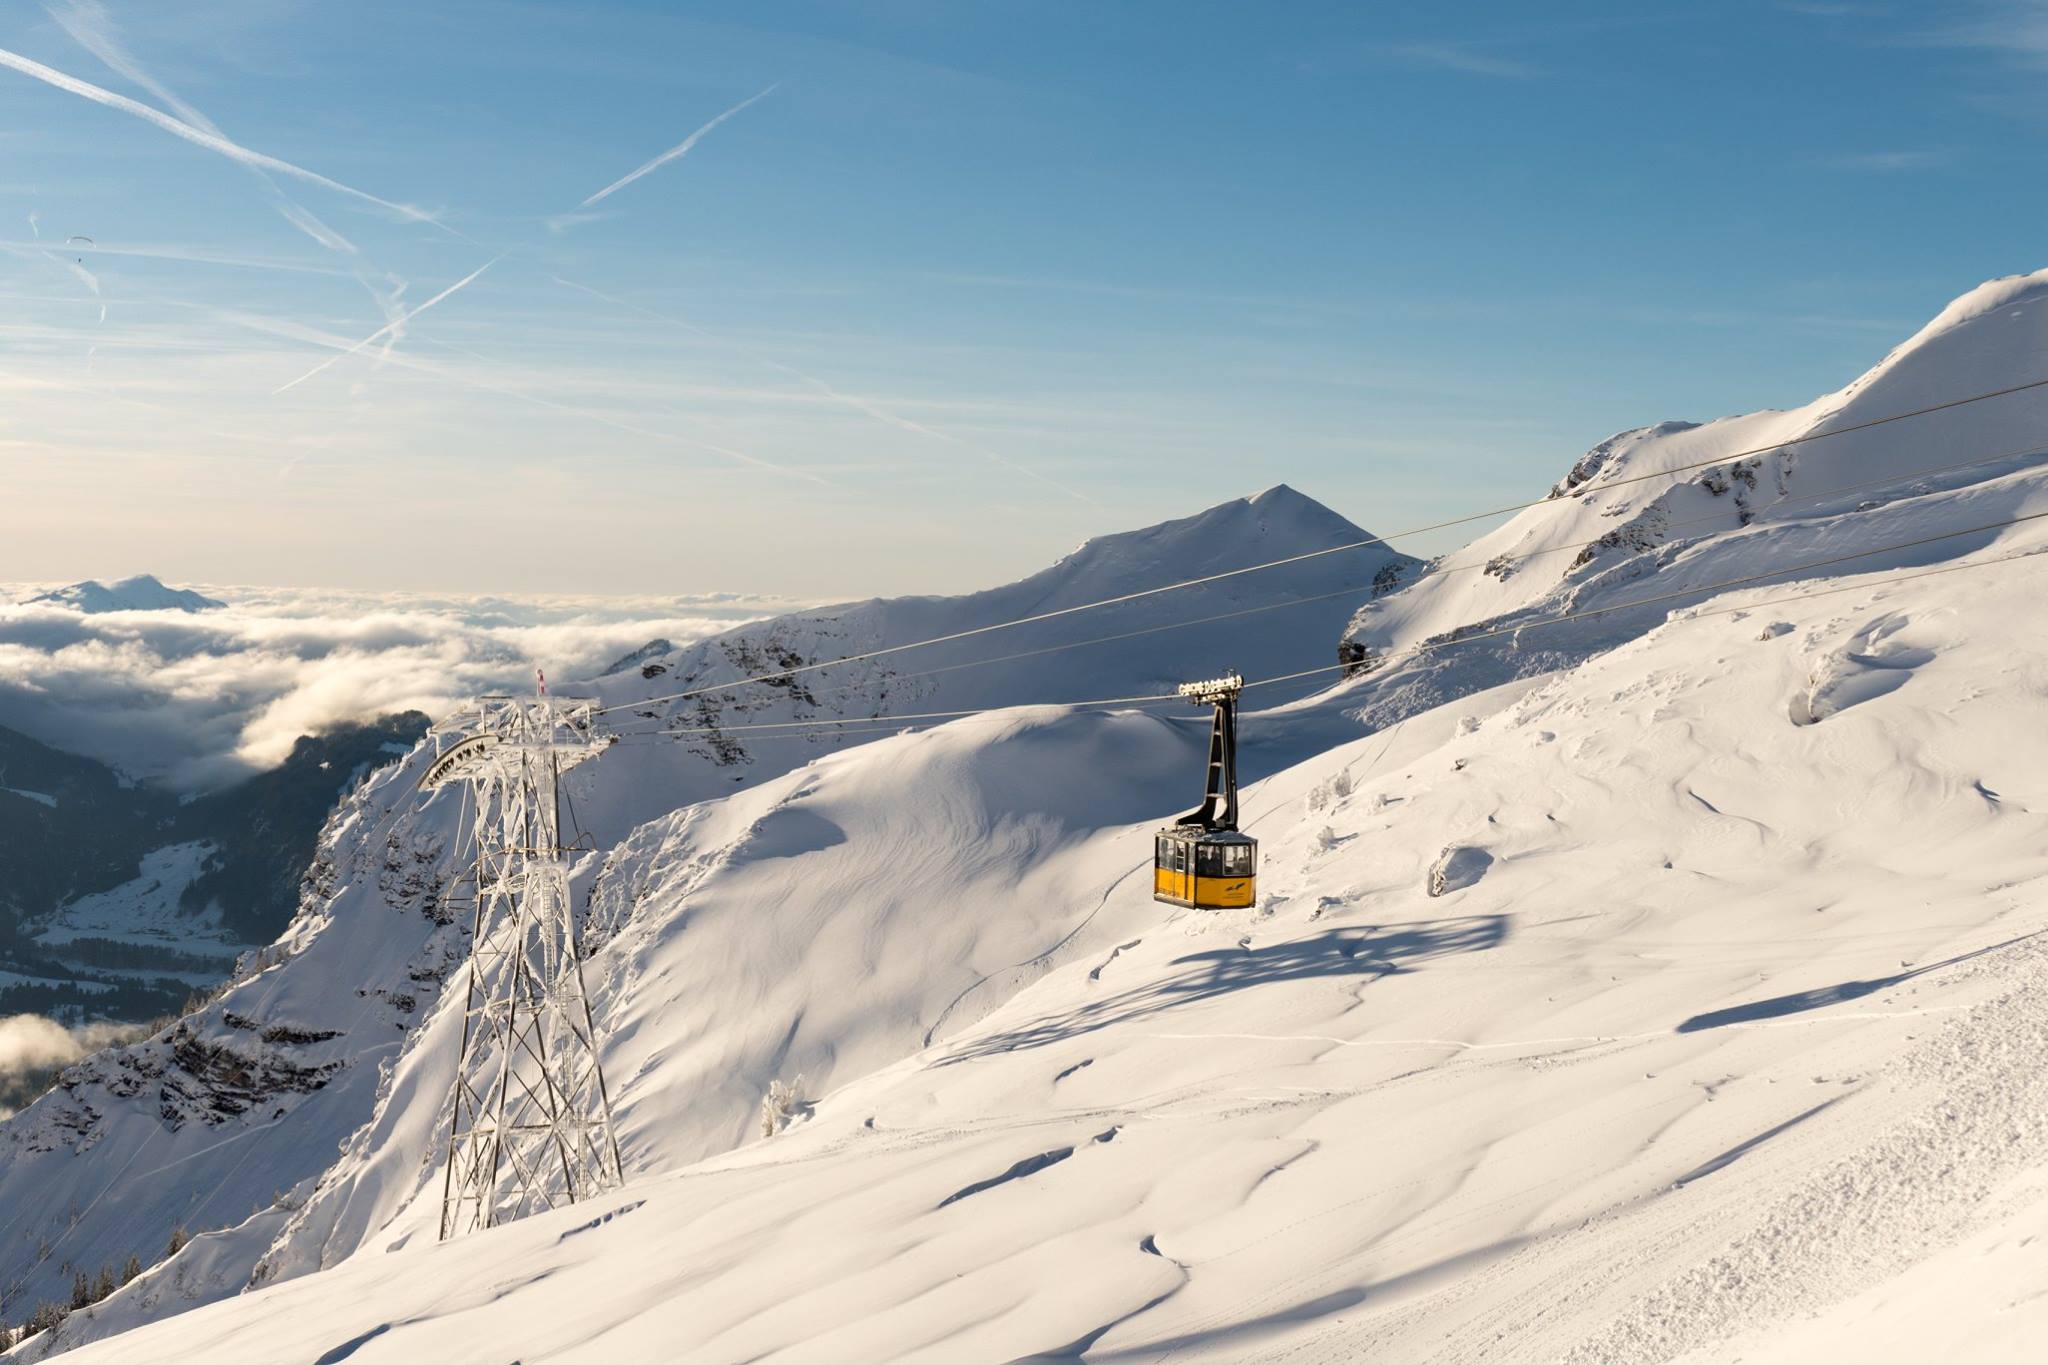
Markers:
point(726, 699)
point(140, 593)
point(653, 649)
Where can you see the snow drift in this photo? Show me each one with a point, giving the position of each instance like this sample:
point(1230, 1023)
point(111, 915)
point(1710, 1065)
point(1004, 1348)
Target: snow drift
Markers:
point(247, 1099)
point(1618, 987)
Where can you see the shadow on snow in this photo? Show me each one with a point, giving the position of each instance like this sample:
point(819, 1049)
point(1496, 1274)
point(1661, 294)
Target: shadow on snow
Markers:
point(1368, 951)
point(1822, 996)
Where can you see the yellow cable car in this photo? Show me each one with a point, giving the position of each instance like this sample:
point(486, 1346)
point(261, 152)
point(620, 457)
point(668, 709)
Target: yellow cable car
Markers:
point(1202, 860)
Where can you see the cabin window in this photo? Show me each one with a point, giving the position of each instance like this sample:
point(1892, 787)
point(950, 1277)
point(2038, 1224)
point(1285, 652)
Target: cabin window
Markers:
point(1208, 860)
point(1237, 860)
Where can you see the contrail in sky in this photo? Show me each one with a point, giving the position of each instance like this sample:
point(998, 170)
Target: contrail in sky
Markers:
point(197, 255)
point(199, 137)
point(93, 29)
point(300, 332)
point(389, 327)
point(854, 401)
point(680, 149)
point(90, 27)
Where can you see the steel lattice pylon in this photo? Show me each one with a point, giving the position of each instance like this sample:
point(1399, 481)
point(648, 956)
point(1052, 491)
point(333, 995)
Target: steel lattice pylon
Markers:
point(531, 1126)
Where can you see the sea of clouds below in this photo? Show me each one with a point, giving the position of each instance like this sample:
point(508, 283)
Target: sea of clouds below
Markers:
point(197, 700)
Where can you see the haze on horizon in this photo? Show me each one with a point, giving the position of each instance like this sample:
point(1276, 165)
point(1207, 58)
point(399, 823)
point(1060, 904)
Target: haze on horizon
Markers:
point(880, 298)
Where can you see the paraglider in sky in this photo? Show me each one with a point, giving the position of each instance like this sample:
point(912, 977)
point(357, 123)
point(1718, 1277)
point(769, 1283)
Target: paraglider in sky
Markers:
point(77, 237)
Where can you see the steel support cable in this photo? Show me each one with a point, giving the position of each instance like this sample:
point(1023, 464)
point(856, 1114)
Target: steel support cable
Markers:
point(1431, 646)
point(1423, 647)
point(1368, 542)
point(2026, 452)
point(907, 716)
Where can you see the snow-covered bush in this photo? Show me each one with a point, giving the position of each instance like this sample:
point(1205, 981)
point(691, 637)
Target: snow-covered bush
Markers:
point(1331, 793)
point(782, 1106)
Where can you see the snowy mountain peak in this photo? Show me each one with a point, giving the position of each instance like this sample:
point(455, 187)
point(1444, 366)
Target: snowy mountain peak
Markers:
point(1281, 494)
point(143, 592)
point(1987, 298)
point(1277, 522)
point(945, 941)
point(1952, 408)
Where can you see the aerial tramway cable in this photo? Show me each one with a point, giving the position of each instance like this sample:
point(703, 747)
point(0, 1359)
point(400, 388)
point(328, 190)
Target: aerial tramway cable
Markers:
point(1368, 542)
point(1439, 571)
point(1429, 646)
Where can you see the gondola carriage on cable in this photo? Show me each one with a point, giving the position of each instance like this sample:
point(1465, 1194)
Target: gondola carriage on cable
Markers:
point(1202, 860)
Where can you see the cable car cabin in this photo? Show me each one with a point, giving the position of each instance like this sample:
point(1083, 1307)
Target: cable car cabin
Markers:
point(1205, 869)
point(1201, 860)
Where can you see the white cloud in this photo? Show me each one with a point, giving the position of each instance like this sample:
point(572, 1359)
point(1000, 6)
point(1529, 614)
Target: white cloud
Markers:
point(195, 701)
point(31, 1044)
point(1465, 58)
point(2016, 28)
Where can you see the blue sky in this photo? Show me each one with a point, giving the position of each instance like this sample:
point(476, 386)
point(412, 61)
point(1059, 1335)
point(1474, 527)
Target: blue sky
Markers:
point(967, 284)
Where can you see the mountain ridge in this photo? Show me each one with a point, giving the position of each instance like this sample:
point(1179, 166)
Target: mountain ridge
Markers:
point(142, 592)
point(377, 937)
point(950, 933)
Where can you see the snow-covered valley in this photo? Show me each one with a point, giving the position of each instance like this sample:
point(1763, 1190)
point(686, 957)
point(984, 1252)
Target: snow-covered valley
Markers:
point(1648, 963)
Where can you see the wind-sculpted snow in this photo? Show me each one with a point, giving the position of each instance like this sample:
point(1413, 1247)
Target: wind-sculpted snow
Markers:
point(248, 1100)
point(1587, 999)
point(1742, 1017)
point(723, 934)
point(1613, 529)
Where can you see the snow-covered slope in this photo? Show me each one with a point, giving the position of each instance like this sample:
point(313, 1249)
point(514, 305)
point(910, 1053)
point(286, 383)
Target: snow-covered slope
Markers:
point(140, 593)
point(1730, 1017)
point(679, 751)
point(247, 1099)
point(202, 1124)
point(1674, 503)
point(1617, 987)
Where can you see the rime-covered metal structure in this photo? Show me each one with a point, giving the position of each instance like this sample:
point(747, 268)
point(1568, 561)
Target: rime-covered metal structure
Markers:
point(531, 1123)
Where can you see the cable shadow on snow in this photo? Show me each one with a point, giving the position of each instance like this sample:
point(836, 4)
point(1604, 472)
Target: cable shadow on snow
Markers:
point(1366, 951)
point(1777, 1007)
